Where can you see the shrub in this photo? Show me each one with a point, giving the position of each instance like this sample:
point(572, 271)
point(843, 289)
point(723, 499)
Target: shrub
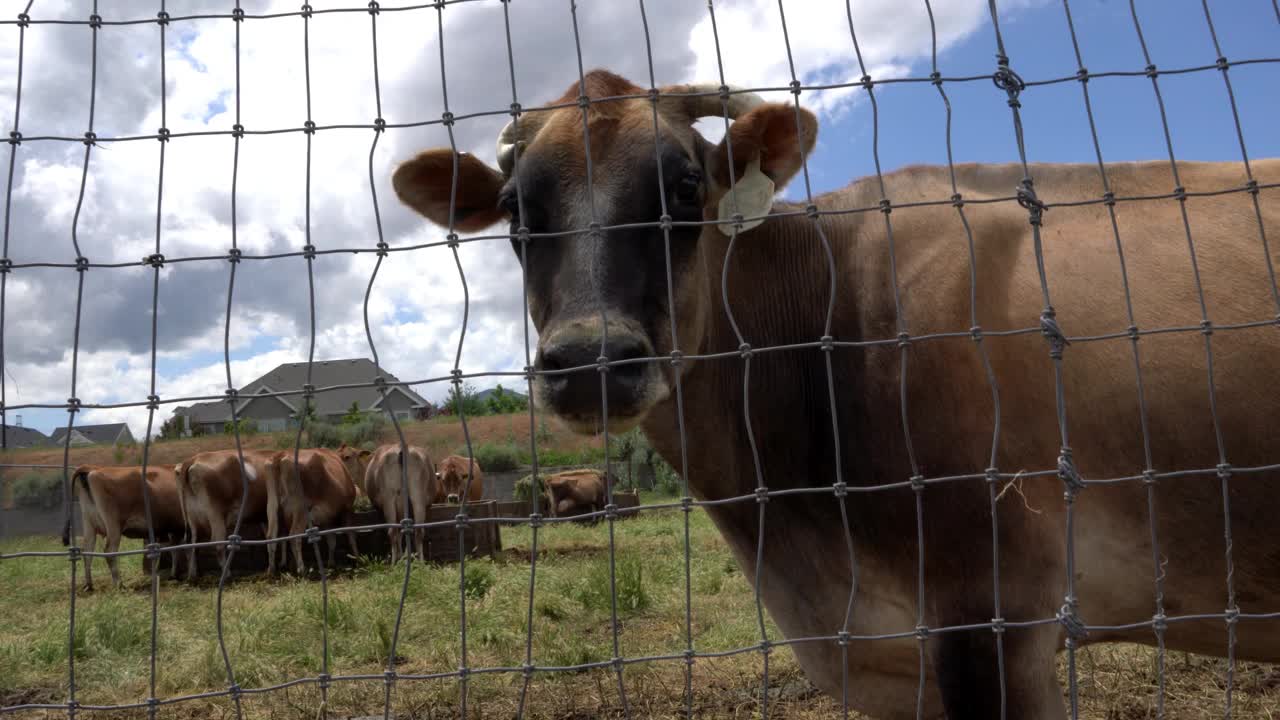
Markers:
point(495, 457)
point(476, 580)
point(322, 434)
point(285, 440)
point(38, 490)
point(248, 426)
point(524, 488)
point(368, 430)
point(466, 398)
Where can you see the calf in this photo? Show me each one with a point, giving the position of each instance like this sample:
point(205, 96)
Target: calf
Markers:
point(213, 493)
point(458, 476)
point(384, 484)
point(112, 505)
point(574, 490)
point(318, 483)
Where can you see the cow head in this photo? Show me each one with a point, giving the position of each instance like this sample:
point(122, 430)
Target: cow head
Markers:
point(356, 461)
point(608, 293)
point(452, 477)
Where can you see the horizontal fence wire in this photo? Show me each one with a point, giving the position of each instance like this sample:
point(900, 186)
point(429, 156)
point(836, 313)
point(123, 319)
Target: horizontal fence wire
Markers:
point(1070, 618)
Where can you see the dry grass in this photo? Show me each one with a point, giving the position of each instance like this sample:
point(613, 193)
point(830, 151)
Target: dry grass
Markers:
point(272, 629)
point(440, 436)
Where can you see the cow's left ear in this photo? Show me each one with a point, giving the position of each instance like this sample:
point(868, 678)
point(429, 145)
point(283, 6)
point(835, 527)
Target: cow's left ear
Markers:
point(365, 454)
point(425, 184)
point(775, 135)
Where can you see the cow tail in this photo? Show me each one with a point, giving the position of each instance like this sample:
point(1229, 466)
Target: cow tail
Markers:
point(188, 535)
point(80, 474)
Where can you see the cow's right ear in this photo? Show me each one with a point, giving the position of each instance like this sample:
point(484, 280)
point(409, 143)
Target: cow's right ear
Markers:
point(365, 454)
point(425, 184)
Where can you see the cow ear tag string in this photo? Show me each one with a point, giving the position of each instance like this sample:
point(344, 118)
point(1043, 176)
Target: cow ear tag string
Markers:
point(755, 198)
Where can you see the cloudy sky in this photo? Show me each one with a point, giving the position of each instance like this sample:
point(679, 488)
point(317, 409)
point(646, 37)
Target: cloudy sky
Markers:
point(416, 308)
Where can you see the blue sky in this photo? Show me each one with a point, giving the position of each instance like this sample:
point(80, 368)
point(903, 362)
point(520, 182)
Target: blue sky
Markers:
point(420, 301)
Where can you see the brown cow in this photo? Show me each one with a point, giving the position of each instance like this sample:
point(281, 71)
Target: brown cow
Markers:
point(865, 401)
point(573, 490)
point(210, 489)
point(318, 483)
point(356, 461)
point(112, 505)
point(383, 483)
point(457, 476)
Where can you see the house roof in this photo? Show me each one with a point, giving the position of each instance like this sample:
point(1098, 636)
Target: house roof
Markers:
point(92, 433)
point(18, 436)
point(292, 376)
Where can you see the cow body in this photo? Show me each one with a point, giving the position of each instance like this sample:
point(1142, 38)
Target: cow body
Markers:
point(458, 477)
point(581, 490)
point(930, 375)
point(112, 505)
point(384, 483)
point(319, 485)
point(213, 493)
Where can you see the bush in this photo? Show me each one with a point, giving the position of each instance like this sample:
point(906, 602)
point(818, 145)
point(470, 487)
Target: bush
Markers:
point(524, 488)
point(322, 434)
point(368, 430)
point(476, 580)
point(495, 457)
point(38, 490)
point(248, 426)
point(285, 440)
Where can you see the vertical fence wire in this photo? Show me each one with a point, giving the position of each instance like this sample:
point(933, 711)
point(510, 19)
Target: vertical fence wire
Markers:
point(744, 351)
point(1159, 625)
point(228, 552)
point(15, 139)
point(447, 120)
point(1007, 80)
point(407, 528)
point(1232, 612)
point(992, 471)
point(595, 237)
point(73, 401)
point(677, 372)
point(156, 261)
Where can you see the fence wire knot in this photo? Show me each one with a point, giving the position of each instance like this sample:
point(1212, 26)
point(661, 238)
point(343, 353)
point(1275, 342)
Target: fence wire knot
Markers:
point(237, 14)
point(1159, 622)
point(917, 483)
point(379, 124)
point(1071, 621)
point(1053, 333)
point(866, 82)
point(1026, 194)
point(73, 404)
point(535, 520)
point(827, 343)
point(95, 21)
point(461, 520)
point(306, 11)
point(922, 632)
point(602, 364)
point(309, 251)
point(886, 207)
point(1082, 75)
point(935, 78)
point(90, 138)
point(383, 248)
point(1109, 199)
point(155, 260)
point(686, 504)
point(611, 511)
point(15, 137)
point(762, 494)
point(841, 489)
point(73, 553)
point(1222, 63)
point(373, 7)
point(233, 255)
point(233, 542)
point(309, 127)
point(313, 534)
point(24, 20)
point(904, 339)
point(1009, 81)
point(795, 87)
point(811, 212)
point(993, 475)
point(237, 131)
point(406, 524)
point(82, 263)
point(744, 350)
point(153, 402)
point(842, 638)
point(997, 625)
point(957, 200)
point(1149, 477)
point(1206, 327)
point(688, 657)
point(162, 18)
point(1133, 333)
point(323, 680)
point(6, 265)
point(975, 333)
point(1068, 473)
point(664, 222)
point(1224, 470)
point(152, 551)
point(446, 118)
point(231, 394)
point(1231, 615)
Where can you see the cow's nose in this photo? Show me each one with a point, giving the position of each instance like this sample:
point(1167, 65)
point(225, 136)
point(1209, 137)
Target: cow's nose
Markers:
point(578, 392)
point(453, 499)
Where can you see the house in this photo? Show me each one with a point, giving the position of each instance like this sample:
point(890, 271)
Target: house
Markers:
point(112, 434)
point(273, 413)
point(17, 436)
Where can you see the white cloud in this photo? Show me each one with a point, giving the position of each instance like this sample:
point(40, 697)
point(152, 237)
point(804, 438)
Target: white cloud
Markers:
point(416, 306)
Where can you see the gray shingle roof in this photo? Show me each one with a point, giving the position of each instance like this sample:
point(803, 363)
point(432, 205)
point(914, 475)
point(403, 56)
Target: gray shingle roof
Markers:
point(19, 437)
point(92, 433)
point(292, 376)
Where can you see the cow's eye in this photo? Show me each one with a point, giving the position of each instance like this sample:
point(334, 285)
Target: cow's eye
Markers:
point(689, 187)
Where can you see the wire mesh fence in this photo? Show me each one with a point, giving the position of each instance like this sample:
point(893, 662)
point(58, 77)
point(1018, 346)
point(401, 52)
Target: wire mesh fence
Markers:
point(842, 487)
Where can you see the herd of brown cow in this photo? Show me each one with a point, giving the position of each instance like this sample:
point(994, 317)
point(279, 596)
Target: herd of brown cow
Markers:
point(197, 500)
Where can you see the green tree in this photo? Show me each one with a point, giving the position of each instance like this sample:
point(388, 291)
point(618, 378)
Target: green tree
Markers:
point(353, 416)
point(465, 399)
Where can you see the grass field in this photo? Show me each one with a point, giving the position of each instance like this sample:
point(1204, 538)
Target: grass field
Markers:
point(273, 634)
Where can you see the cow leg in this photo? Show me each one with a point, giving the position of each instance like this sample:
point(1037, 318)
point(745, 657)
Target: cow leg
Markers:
point(968, 671)
point(111, 545)
point(393, 533)
point(332, 542)
point(90, 545)
point(218, 533)
point(297, 524)
point(191, 555)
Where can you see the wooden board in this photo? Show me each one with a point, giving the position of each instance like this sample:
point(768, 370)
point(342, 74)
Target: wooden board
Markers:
point(479, 540)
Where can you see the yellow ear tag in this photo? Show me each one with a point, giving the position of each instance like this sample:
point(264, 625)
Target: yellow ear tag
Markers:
point(754, 191)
